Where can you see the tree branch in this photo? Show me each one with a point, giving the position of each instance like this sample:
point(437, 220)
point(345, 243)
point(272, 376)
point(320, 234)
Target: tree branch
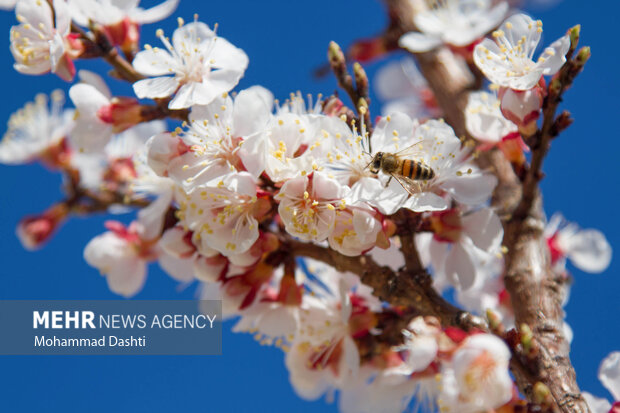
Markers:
point(535, 291)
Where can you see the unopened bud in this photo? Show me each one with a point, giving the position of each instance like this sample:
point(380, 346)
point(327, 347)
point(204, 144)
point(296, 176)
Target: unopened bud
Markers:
point(495, 322)
point(574, 36)
point(361, 79)
point(583, 56)
point(526, 337)
point(334, 53)
point(34, 231)
point(122, 113)
point(542, 394)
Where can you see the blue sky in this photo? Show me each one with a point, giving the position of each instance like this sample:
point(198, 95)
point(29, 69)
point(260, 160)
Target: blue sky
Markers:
point(285, 41)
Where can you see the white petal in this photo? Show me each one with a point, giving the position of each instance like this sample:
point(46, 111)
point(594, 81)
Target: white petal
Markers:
point(87, 99)
point(154, 14)
point(596, 404)
point(226, 56)
point(252, 110)
point(193, 94)
point(154, 62)
point(484, 228)
point(179, 269)
point(609, 374)
point(191, 35)
point(419, 42)
point(460, 266)
point(157, 87)
point(589, 251)
point(554, 55)
point(522, 26)
point(93, 79)
point(426, 201)
point(471, 189)
point(127, 279)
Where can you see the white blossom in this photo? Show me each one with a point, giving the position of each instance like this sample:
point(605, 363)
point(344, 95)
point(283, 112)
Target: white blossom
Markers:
point(508, 59)
point(402, 88)
point(212, 146)
point(484, 119)
point(454, 22)
point(111, 12)
point(203, 66)
point(35, 128)
point(120, 257)
point(476, 378)
point(223, 215)
point(587, 249)
point(41, 43)
point(308, 206)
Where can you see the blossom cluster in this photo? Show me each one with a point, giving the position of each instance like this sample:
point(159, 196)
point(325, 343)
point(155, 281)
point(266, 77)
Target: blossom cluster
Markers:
point(225, 194)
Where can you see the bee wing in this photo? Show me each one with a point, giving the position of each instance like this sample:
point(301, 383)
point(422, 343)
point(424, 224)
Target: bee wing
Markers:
point(412, 151)
point(410, 185)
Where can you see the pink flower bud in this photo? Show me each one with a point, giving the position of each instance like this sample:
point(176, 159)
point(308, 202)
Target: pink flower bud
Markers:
point(125, 33)
point(522, 107)
point(122, 113)
point(34, 231)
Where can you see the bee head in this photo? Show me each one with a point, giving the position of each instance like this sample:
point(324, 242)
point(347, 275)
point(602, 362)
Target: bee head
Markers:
point(375, 164)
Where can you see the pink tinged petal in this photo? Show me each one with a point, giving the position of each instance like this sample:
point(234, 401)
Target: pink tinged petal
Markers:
point(460, 267)
point(419, 42)
point(154, 14)
point(162, 149)
point(65, 68)
point(350, 361)
point(609, 374)
point(471, 189)
point(128, 278)
point(554, 56)
point(521, 107)
point(208, 269)
point(224, 55)
point(422, 350)
point(158, 87)
point(484, 228)
point(589, 251)
point(154, 62)
point(326, 188)
point(173, 243)
point(252, 110)
point(179, 269)
point(278, 322)
point(596, 404)
point(308, 384)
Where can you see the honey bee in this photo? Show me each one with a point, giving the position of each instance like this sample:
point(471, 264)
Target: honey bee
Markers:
point(398, 165)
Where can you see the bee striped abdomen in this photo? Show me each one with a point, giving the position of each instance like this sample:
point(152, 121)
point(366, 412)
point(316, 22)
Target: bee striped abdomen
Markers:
point(416, 170)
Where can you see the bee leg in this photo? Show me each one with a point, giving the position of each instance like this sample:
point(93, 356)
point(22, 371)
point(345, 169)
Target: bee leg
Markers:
point(388, 182)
